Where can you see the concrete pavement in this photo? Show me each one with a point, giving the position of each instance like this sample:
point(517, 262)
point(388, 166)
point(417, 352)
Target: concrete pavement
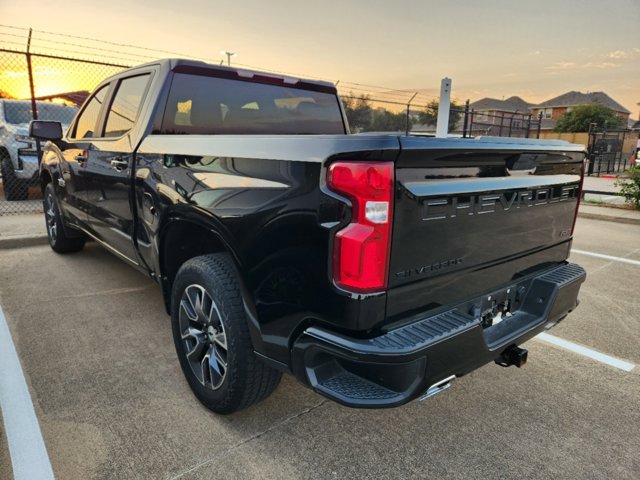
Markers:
point(22, 230)
point(96, 348)
point(607, 213)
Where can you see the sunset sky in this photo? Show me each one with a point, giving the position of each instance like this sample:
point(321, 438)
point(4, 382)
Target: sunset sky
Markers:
point(536, 48)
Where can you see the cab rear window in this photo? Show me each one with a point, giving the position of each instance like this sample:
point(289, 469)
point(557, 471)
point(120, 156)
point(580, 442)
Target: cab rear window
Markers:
point(204, 105)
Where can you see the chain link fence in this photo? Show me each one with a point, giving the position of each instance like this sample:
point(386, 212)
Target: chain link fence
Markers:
point(47, 76)
point(36, 86)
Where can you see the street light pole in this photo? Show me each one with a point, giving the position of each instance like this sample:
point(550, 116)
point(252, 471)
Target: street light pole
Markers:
point(229, 55)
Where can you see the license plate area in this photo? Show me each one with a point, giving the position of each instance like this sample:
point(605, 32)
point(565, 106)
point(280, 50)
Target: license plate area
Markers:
point(497, 306)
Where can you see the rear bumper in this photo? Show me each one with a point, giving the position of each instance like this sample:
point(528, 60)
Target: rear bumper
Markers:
point(401, 365)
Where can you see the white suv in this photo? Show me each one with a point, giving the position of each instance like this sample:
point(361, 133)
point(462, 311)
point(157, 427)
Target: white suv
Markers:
point(18, 157)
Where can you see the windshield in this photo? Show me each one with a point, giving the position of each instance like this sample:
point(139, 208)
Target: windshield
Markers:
point(20, 112)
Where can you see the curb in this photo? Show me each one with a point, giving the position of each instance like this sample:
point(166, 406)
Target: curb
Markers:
point(23, 241)
point(610, 218)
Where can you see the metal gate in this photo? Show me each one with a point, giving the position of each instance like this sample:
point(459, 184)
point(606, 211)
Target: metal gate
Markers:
point(605, 152)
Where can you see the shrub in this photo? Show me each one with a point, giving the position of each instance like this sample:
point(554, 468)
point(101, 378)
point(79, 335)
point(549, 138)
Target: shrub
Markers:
point(631, 186)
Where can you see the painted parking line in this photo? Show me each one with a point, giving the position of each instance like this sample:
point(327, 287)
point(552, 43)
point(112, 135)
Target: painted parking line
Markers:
point(606, 257)
point(29, 457)
point(587, 352)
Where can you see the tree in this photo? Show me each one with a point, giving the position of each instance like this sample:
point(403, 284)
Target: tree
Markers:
point(630, 187)
point(581, 117)
point(386, 121)
point(429, 115)
point(359, 112)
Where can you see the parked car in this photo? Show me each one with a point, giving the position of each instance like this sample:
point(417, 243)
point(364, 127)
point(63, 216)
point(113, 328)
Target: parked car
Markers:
point(18, 157)
point(374, 268)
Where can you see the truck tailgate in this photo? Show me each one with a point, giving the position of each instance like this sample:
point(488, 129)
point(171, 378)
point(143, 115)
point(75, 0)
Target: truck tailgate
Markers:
point(465, 207)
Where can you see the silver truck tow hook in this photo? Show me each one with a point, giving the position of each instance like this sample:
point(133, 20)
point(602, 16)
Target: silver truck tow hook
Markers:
point(438, 387)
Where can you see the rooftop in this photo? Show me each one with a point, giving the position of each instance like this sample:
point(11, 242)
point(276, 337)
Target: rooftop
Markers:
point(572, 99)
point(511, 104)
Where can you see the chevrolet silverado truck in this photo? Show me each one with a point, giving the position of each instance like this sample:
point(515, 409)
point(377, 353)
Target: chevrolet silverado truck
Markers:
point(374, 268)
point(18, 157)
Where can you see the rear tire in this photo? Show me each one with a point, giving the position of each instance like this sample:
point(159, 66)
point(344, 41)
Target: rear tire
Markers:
point(14, 188)
point(212, 339)
point(59, 241)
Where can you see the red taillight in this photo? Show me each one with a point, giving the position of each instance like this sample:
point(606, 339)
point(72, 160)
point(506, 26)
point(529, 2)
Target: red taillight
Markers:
point(361, 249)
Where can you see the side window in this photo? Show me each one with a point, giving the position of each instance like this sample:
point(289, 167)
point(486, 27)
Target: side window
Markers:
point(86, 124)
point(126, 103)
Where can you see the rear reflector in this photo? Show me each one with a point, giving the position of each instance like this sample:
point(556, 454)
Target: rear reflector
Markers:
point(361, 249)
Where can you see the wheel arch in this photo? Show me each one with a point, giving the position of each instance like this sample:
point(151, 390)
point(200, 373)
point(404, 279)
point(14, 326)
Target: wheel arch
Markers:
point(45, 178)
point(181, 239)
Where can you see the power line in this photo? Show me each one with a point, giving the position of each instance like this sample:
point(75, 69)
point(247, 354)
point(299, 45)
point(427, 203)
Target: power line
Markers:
point(13, 35)
point(115, 43)
point(93, 48)
point(395, 94)
point(14, 43)
point(33, 47)
point(14, 28)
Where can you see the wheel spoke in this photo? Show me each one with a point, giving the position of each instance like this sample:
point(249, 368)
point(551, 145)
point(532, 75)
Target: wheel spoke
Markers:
point(214, 314)
point(195, 343)
point(191, 297)
point(205, 368)
point(217, 367)
point(221, 339)
point(203, 336)
point(188, 310)
point(220, 361)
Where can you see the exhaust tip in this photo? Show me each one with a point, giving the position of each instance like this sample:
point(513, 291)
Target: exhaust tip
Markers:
point(438, 387)
point(513, 355)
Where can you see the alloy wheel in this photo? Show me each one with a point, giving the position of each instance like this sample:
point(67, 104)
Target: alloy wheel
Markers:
point(50, 214)
point(203, 336)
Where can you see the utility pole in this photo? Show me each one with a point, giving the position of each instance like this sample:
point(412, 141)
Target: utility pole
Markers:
point(229, 55)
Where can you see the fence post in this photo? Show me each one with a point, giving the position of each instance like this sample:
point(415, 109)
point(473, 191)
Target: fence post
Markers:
point(539, 125)
point(442, 125)
point(34, 106)
point(622, 163)
point(408, 107)
point(511, 123)
point(466, 119)
point(526, 135)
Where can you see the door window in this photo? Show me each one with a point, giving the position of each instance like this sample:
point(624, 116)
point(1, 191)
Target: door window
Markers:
point(86, 124)
point(126, 103)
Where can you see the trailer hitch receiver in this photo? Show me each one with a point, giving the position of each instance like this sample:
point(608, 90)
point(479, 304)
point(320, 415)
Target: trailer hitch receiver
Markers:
point(513, 355)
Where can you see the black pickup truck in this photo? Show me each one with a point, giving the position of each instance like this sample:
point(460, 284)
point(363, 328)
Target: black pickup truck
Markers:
point(374, 268)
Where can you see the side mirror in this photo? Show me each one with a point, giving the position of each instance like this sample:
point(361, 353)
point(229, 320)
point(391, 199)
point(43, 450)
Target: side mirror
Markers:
point(45, 130)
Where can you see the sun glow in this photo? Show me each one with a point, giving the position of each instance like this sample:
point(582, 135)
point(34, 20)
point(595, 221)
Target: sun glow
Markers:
point(51, 77)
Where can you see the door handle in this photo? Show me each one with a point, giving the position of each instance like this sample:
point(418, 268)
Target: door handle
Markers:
point(119, 164)
point(80, 158)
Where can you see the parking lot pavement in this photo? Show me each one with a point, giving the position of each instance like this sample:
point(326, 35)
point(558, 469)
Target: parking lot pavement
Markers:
point(5, 458)
point(96, 348)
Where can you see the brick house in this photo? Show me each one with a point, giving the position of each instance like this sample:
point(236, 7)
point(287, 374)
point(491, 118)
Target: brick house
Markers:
point(556, 107)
